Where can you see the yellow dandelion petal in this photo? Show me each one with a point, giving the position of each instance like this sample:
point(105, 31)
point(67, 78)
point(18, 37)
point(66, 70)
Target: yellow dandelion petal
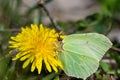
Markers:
point(54, 67)
point(41, 28)
point(39, 65)
point(33, 66)
point(32, 58)
point(60, 64)
point(17, 56)
point(57, 62)
point(25, 57)
point(47, 65)
point(23, 53)
point(10, 52)
point(26, 63)
point(13, 38)
point(11, 42)
point(37, 45)
point(62, 37)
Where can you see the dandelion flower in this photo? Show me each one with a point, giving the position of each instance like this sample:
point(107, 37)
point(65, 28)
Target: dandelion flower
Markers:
point(37, 45)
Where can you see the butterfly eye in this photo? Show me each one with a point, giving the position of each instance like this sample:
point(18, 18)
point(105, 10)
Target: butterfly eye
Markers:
point(59, 38)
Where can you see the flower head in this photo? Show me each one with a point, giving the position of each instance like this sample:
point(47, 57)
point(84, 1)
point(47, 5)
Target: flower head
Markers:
point(37, 45)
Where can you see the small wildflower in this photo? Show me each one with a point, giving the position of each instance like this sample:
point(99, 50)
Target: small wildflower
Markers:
point(37, 45)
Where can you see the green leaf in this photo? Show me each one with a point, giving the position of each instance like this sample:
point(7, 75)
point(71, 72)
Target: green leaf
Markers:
point(82, 52)
point(106, 67)
point(10, 74)
point(56, 78)
point(49, 76)
point(3, 66)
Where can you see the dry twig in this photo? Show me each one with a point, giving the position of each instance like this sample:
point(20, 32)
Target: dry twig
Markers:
point(10, 30)
point(41, 4)
point(115, 49)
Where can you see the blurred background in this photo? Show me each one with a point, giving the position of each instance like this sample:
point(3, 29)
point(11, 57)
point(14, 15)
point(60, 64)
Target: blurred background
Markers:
point(71, 16)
